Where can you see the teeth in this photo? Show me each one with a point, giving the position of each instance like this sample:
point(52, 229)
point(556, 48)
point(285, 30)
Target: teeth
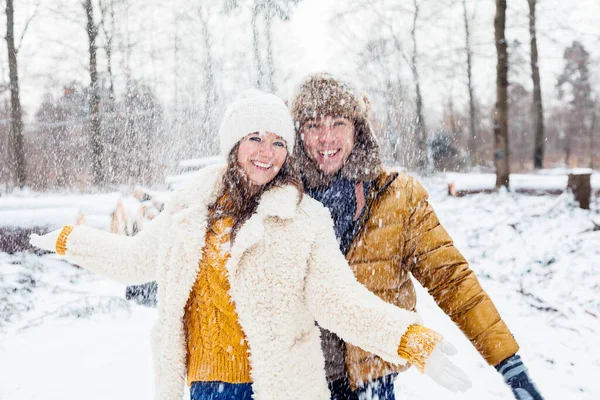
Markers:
point(327, 153)
point(262, 165)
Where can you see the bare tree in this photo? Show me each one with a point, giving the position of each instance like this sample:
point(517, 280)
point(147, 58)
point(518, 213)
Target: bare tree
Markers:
point(472, 141)
point(538, 109)
point(256, 47)
point(109, 123)
point(210, 93)
point(384, 20)
point(421, 132)
point(592, 133)
point(16, 145)
point(519, 119)
point(377, 69)
point(107, 23)
point(574, 84)
point(501, 154)
point(98, 172)
point(268, 10)
point(270, 60)
point(412, 60)
point(176, 66)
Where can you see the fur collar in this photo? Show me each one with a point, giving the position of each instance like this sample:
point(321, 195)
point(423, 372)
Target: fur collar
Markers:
point(204, 187)
point(189, 208)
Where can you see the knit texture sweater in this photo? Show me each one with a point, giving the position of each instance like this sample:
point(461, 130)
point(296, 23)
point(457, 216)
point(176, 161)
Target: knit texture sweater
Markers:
point(216, 344)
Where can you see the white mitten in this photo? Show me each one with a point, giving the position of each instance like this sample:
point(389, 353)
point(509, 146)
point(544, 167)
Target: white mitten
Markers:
point(47, 241)
point(443, 371)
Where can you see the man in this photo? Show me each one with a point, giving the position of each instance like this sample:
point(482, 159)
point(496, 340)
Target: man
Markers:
point(387, 230)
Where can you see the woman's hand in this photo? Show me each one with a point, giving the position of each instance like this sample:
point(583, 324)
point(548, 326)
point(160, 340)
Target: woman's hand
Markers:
point(427, 351)
point(50, 240)
point(443, 371)
point(47, 241)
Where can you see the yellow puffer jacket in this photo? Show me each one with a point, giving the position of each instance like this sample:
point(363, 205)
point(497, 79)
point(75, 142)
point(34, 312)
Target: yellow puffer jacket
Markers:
point(399, 235)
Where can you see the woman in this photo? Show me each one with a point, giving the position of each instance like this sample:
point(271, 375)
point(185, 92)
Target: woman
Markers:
point(245, 265)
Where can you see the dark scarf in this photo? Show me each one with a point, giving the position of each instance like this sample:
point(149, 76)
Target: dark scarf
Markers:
point(340, 198)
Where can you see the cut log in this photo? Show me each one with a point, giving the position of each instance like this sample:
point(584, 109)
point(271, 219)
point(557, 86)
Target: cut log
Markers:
point(579, 184)
point(547, 184)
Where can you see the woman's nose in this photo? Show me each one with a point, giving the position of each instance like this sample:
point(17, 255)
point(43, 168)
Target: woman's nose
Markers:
point(265, 149)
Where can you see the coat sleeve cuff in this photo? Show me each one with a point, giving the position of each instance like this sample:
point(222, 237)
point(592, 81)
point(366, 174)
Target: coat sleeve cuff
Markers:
point(61, 241)
point(417, 344)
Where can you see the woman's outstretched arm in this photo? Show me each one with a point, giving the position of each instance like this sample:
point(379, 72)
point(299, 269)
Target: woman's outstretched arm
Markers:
point(127, 259)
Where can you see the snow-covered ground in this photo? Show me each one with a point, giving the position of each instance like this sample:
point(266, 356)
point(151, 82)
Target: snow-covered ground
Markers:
point(67, 334)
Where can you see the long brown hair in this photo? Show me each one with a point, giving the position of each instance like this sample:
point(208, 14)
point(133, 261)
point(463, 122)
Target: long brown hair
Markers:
point(236, 199)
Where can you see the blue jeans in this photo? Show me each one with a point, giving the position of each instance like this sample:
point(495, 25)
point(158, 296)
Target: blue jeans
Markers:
point(220, 391)
point(378, 389)
point(340, 390)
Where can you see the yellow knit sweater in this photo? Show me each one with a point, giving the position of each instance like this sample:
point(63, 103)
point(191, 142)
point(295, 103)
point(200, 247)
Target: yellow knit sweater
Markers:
point(216, 344)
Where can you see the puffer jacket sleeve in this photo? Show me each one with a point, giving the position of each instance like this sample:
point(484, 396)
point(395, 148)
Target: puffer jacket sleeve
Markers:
point(126, 259)
point(342, 305)
point(430, 255)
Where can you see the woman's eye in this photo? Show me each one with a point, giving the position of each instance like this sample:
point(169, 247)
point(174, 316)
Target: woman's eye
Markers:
point(255, 139)
point(279, 144)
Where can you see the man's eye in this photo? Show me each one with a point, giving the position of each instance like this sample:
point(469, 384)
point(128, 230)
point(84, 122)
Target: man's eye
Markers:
point(339, 123)
point(311, 126)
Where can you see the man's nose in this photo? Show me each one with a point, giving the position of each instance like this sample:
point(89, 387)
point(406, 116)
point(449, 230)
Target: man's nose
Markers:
point(327, 134)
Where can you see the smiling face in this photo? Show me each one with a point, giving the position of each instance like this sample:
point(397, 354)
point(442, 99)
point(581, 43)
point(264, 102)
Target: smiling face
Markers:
point(261, 156)
point(328, 141)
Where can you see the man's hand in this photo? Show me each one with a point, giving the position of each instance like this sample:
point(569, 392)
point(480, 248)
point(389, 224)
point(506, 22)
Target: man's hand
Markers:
point(443, 371)
point(515, 375)
point(47, 241)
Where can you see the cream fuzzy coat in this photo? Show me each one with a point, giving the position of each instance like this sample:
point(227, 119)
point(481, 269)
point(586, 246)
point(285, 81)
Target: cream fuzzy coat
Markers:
point(286, 272)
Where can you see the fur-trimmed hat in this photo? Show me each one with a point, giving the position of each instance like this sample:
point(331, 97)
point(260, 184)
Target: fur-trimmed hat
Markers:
point(321, 95)
point(255, 111)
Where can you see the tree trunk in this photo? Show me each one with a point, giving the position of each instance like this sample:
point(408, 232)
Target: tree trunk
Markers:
point(538, 110)
point(176, 43)
point(270, 61)
point(391, 122)
point(567, 140)
point(110, 123)
point(108, 48)
point(592, 131)
point(452, 121)
point(421, 133)
point(209, 78)
point(579, 183)
point(16, 146)
point(472, 142)
point(501, 160)
point(111, 87)
point(94, 101)
point(256, 47)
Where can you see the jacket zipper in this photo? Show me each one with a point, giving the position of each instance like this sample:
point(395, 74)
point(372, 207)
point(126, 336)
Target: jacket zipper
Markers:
point(373, 196)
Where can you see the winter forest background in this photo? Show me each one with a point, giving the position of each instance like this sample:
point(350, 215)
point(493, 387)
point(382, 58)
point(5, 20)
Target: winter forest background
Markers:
point(106, 104)
point(99, 78)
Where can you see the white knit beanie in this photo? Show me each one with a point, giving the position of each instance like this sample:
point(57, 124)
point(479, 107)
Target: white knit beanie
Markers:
point(255, 111)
